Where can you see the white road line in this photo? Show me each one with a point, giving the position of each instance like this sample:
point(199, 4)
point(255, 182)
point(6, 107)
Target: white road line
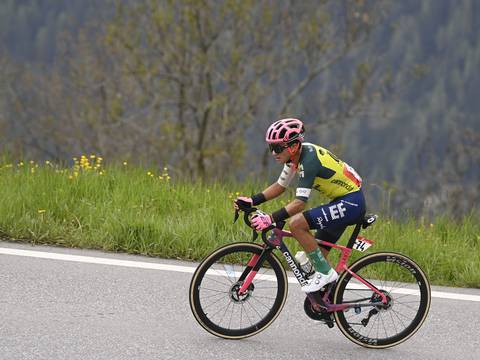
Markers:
point(96, 260)
point(166, 267)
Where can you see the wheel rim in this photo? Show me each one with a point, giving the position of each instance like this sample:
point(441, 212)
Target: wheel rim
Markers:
point(386, 324)
point(216, 301)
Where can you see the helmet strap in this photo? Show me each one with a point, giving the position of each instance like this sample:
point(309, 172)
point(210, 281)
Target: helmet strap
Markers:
point(292, 153)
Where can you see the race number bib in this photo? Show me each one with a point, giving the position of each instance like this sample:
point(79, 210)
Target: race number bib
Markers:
point(362, 244)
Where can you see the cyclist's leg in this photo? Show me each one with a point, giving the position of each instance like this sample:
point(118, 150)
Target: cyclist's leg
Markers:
point(324, 273)
point(337, 214)
point(301, 231)
point(332, 219)
point(331, 235)
point(300, 226)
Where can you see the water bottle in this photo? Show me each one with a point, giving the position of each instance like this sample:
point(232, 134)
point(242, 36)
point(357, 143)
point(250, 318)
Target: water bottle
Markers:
point(304, 263)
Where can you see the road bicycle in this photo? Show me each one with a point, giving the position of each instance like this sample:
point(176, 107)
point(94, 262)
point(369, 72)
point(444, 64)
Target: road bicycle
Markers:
point(379, 301)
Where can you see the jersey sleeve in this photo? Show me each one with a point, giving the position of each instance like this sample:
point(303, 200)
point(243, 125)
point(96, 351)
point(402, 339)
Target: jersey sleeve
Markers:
point(305, 183)
point(311, 168)
point(286, 176)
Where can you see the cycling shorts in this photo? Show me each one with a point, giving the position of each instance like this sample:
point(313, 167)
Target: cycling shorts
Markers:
point(332, 219)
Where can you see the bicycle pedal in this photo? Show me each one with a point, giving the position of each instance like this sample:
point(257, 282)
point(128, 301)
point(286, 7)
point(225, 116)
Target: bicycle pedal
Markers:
point(329, 324)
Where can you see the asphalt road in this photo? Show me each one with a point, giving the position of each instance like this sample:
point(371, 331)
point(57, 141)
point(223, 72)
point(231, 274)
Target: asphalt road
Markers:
point(56, 309)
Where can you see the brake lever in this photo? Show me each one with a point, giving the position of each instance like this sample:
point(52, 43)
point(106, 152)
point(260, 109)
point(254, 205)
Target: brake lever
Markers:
point(249, 224)
point(247, 211)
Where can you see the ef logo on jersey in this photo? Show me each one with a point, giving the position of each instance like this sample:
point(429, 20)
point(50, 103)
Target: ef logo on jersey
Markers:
point(300, 171)
point(337, 211)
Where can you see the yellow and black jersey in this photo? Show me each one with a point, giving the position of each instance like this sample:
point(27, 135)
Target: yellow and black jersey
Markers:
point(319, 169)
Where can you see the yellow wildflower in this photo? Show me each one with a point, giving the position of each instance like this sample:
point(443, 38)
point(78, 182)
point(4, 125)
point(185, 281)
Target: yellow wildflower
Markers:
point(41, 211)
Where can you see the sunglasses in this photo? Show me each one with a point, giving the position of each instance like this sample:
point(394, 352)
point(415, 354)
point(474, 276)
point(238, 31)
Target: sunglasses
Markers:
point(277, 148)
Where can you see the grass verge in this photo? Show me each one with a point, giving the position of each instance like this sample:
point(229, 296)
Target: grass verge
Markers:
point(135, 210)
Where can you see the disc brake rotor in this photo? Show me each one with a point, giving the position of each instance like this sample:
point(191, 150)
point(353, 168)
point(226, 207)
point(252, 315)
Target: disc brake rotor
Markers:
point(236, 296)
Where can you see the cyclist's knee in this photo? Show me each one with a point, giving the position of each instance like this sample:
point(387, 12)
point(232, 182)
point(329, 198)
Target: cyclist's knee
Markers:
point(298, 223)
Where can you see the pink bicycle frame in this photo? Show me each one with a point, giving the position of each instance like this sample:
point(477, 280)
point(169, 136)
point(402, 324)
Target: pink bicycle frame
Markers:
point(342, 266)
point(277, 242)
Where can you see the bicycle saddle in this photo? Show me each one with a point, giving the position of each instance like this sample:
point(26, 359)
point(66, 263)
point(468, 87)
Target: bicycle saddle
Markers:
point(368, 220)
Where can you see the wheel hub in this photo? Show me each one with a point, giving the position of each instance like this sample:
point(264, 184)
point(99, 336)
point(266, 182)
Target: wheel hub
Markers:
point(235, 292)
point(377, 298)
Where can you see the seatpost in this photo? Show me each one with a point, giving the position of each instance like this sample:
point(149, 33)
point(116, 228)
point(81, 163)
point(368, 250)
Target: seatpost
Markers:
point(355, 233)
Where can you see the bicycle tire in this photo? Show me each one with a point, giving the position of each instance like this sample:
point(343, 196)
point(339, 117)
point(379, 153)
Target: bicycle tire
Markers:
point(413, 284)
point(199, 292)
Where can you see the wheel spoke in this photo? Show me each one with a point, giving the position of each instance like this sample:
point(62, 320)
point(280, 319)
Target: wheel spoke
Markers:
point(213, 303)
point(385, 324)
point(254, 309)
point(215, 300)
point(255, 298)
point(215, 290)
point(217, 281)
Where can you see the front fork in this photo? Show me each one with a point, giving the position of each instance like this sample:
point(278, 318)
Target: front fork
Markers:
point(256, 262)
point(252, 268)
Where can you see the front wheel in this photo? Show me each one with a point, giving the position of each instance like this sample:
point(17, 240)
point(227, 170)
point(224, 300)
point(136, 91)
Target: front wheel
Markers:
point(369, 322)
point(214, 291)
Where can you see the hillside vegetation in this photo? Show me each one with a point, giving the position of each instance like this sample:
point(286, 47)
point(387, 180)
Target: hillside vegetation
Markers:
point(145, 211)
point(389, 86)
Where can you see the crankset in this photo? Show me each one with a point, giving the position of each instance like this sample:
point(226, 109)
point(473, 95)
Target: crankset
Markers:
point(322, 315)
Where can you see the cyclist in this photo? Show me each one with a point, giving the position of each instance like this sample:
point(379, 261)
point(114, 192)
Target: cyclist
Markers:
point(318, 169)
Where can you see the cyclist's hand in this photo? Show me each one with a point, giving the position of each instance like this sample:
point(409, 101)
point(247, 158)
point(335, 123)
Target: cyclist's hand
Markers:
point(261, 221)
point(244, 201)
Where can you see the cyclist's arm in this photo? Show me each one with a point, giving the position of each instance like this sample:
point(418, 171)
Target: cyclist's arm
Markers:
point(277, 188)
point(305, 184)
point(273, 191)
point(295, 206)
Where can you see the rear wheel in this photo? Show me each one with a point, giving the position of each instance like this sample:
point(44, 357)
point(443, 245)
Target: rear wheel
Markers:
point(214, 292)
point(371, 323)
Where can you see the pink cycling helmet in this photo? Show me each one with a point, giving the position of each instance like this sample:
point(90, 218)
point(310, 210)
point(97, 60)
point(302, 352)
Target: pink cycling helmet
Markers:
point(285, 131)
